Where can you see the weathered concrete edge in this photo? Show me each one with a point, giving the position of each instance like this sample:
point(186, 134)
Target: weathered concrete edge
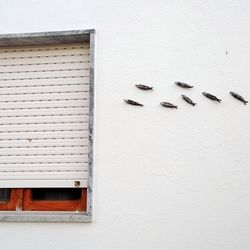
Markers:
point(45, 38)
point(91, 124)
point(22, 216)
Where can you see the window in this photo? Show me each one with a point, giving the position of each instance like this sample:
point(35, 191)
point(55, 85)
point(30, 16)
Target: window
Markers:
point(46, 126)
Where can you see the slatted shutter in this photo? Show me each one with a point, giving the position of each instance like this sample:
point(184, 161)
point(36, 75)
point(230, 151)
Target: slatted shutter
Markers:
point(44, 116)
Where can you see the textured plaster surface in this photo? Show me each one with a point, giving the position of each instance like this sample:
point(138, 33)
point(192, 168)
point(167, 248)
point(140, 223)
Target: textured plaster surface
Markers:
point(163, 179)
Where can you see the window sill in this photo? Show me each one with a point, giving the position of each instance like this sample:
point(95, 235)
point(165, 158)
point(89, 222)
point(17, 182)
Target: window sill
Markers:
point(23, 216)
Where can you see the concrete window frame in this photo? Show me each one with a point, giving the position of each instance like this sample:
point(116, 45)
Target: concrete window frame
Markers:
point(50, 38)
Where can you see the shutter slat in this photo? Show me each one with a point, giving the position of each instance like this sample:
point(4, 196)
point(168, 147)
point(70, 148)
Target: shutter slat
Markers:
point(20, 183)
point(50, 150)
point(46, 167)
point(42, 127)
point(42, 158)
point(43, 53)
point(41, 104)
point(36, 67)
point(60, 141)
point(44, 60)
point(43, 48)
point(44, 111)
point(41, 120)
point(50, 175)
point(46, 82)
point(52, 74)
point(39, 135)
point(24, 97)
point(63, 88)
point(47, 112)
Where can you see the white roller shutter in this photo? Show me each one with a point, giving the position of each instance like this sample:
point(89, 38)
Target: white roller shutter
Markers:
point(44, 116)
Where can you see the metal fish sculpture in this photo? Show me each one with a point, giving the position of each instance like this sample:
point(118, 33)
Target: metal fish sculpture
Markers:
point(238, 97)
point(133, 102)
point(211, 97)
point(168, 105)
point(188, 100)
point(143, 87)
point(184, 85)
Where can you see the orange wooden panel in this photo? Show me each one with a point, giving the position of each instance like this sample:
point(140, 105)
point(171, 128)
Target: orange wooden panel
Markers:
point(4, 206)
point(15, 202)
point(65, 205)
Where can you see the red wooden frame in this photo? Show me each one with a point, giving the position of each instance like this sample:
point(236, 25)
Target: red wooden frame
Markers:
point(15, 202)
point(21, 199)
point(64, 205)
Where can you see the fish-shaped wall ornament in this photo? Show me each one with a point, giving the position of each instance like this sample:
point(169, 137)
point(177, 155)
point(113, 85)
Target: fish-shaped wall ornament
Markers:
point(133, 102)
point(143, 87)
point(168, 105)
point(238, 97)
point(211, 97)
point(188, 100)
point(184, 85)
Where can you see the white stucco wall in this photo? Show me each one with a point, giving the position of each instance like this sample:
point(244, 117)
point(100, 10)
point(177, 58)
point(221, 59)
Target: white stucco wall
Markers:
point(163, 179)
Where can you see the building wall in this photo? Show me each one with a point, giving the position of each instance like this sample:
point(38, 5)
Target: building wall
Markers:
point(163, 179)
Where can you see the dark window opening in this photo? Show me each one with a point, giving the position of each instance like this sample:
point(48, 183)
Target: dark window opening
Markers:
point(5, 194)
point(58, 194)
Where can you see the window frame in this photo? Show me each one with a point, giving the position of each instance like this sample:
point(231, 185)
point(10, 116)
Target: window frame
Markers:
point(15, 201)
point(54, 205)
point(14, 205)
point(21, 200)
